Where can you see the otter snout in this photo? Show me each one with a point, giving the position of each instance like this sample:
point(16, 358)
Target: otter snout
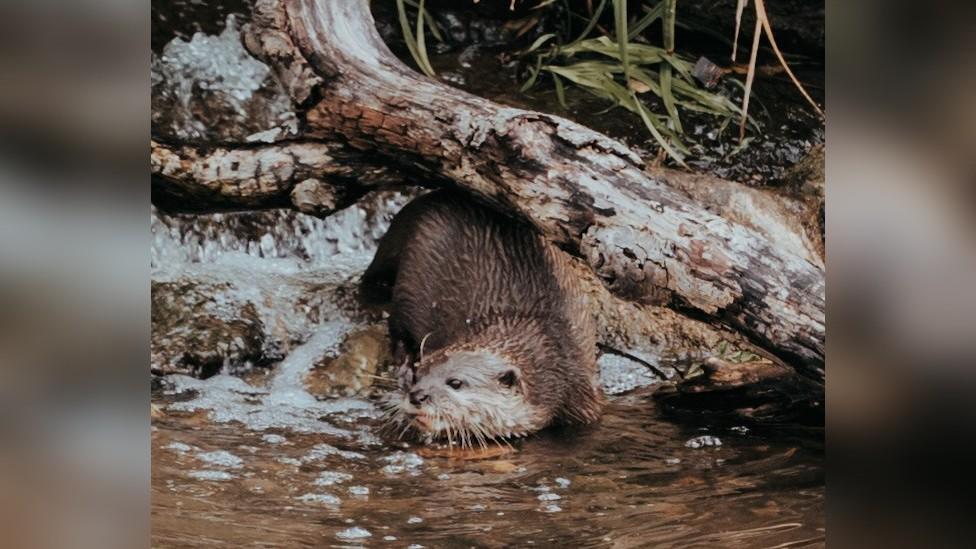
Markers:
point(418, 396)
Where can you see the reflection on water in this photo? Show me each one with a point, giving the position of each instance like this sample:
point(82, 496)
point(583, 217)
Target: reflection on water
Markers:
point(634, 480)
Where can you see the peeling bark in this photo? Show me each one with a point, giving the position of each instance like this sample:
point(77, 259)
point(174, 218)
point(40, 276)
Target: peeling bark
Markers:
point(651, 333)
point(314, 177)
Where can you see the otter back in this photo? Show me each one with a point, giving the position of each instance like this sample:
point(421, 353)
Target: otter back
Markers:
point(456, 269)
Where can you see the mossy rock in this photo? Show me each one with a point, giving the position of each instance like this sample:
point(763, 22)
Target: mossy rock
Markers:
point(196, 332)
point(363, 354)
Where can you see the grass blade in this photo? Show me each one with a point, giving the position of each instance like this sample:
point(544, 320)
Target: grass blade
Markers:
point(435, 30)
point(411, 41)
point(533, 74)
point(738, 23)
point(620, 29)
point(560, 91)
point(652, 15)
point(666, 95)
point(750, 76)
point(421, 44)
point(592, 22)
point(761, 16)
point(646, 118)
point(539, 42)
point(670, 13)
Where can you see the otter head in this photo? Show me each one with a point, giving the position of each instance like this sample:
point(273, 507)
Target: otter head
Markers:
point(468, 396)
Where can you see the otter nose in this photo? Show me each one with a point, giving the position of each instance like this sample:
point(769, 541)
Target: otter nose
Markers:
point(418, 396)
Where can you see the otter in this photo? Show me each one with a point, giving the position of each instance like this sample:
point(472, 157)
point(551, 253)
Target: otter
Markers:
point(488, 322)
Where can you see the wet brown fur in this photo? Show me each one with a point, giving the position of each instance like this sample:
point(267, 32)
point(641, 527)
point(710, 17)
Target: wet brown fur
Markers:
point(465, 276)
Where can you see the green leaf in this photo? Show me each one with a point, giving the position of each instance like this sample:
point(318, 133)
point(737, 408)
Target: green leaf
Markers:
point(533, 75)
point(645, 116)
point(435, 30)
point(560, 91)
point(539, 42)
point(668, 98)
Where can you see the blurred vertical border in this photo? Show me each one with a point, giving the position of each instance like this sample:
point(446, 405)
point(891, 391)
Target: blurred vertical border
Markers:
point(901, 224)
point(74, 273)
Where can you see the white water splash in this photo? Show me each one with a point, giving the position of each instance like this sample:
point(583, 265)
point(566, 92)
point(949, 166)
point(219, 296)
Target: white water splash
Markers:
point(329, 478)
point(703, 441)
point(320, 499)
point(402, 462)
point(210, 87)
point(221, 458)
point(305, 243)
point(286, 403)
point(353, 533)
point(210, 475)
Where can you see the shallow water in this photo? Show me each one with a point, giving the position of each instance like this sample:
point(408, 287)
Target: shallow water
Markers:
point(635, 480)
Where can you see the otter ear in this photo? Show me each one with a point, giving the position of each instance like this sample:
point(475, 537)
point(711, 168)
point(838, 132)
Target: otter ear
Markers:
point(508, 379)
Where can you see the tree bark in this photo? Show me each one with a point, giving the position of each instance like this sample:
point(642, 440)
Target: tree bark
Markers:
point(646, 240)
point(315, 177)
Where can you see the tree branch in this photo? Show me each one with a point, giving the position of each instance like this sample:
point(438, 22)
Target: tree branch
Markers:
point(314, 177)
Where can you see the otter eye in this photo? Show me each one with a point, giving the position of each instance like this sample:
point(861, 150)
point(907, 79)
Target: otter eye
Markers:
point(508, 378)
point(455, 383)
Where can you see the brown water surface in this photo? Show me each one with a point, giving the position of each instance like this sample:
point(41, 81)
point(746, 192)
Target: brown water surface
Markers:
point(634, 480)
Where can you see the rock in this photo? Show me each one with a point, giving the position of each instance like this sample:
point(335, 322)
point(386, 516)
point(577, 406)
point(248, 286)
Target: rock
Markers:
point(209, 318)
point(807, 177)
point(313, 197)
point(805, 183)
point(354, 370)
point(192, 333)
point(231, 291)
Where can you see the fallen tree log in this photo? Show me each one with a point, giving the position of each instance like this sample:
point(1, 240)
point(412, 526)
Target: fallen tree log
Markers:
point(314, 177)
point(648, 242)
